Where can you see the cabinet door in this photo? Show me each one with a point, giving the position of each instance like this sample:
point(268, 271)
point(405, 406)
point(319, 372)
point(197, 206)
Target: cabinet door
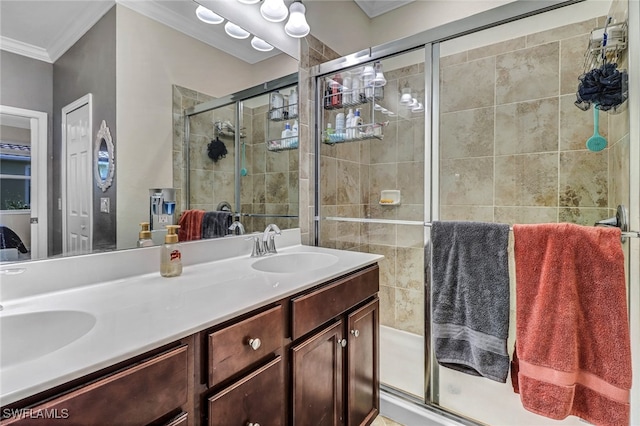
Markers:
point(362, 364)
point(256, 399)
point(318, 378)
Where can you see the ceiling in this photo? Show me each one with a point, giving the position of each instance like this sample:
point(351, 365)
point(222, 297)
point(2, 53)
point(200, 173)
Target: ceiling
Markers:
point(45, 29)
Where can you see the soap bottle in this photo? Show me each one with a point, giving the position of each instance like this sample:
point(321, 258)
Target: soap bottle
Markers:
point(293, 103)
point(349, 123)
point(357, 125)
point(170, 256)
point(144, 236)
point(336, 91)
point(277, 102)
point(328, 133)
point(294, 135)
point(346, 89)
point(340, 123)
point(286, 137)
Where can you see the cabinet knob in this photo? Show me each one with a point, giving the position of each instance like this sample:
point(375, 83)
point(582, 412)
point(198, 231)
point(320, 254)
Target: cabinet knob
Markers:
point(255, 345)
point(253, 424)
point(342, 342)
point(355, 333)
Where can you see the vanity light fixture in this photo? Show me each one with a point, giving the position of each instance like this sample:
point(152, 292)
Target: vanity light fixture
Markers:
point(418, 108)
point(405, 99)
point(297, 25)
point(235, 31)
point(274, 10)
point(207, 16)
point(249, 1)
point(260, 45)
point(413, 103)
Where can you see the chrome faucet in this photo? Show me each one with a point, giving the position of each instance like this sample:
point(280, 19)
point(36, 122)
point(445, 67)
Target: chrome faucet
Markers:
point(258, 248)
point(269, 238)
point(237, 228)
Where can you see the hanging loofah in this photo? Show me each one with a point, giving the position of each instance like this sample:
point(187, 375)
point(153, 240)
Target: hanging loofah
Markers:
point(606, 87)
point(216, 150)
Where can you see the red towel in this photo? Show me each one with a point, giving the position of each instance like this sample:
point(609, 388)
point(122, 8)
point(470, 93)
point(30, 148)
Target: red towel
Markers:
point(572, 332)
point(190, 225)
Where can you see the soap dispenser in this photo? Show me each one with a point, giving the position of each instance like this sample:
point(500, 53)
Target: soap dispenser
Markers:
point(144, 236)
point(170, 256)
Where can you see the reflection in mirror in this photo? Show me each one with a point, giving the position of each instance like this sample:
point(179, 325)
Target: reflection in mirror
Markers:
point(151, 57)
point(104, 158)
point(259, 185)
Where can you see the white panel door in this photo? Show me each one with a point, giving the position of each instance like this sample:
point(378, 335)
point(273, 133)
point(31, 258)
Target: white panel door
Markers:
point(77, 193)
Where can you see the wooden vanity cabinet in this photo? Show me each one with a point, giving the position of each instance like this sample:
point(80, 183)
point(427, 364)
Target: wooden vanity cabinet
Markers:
point(335, 366)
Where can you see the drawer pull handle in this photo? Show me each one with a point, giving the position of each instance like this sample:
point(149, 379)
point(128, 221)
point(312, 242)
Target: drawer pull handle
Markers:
point(255, 345)
point(342, 342)
point(355, 333)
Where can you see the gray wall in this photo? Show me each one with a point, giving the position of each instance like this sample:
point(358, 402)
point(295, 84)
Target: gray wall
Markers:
point(28, 83)
point(88, 67)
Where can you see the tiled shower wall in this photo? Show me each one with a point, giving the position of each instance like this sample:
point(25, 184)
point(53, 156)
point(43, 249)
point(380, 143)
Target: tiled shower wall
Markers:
point(352, 177)
point(271, 184)
point(512, 142)
point(211, 182)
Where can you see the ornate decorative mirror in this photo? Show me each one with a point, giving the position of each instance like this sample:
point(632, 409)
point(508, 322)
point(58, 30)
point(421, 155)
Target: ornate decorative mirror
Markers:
point(104, 158)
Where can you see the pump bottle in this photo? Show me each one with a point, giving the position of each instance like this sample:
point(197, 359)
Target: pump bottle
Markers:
point(170, 256)
point(144, 236)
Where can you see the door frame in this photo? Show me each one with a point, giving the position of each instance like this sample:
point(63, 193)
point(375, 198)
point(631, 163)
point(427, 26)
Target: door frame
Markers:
point(39, 170)
point(79, 103)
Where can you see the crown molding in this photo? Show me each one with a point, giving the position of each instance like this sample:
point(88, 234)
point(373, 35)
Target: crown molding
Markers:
point(24, 49)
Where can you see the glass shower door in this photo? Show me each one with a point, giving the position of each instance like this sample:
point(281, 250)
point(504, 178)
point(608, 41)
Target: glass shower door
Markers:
point(371, 197)
point(511, 149)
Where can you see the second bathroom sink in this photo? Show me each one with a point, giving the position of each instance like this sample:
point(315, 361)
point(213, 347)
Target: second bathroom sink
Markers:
point(290, 263)
point(31, 335)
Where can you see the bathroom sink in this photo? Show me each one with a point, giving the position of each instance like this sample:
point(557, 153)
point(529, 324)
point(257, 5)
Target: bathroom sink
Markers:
point(294, 262)
point(31, 335)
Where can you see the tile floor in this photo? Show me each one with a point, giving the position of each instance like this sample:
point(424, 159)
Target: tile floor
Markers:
point(383, 421)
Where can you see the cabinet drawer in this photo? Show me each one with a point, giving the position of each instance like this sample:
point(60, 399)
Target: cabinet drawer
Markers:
point(314, 309)
point(240, 345)
point(257, 398)
point(135, 396)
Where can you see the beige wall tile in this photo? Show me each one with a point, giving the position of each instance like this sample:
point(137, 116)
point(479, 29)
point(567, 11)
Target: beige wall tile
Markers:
point(467, 181)
point(527, 74)
point(410, 310)
point(410, 268)
point(497, 48)
point(527, 127)
point(582, 215)
point(467, 133)
point(478, 213)
point(583, 179)
point(526, 214)
point(576, 126)
point(459, 92)
point(527, 180)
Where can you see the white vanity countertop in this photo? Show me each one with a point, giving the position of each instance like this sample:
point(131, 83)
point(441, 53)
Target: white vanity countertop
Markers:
point(138, 313)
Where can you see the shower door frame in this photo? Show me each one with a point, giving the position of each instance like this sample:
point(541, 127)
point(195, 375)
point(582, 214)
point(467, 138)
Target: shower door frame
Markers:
point(430, 40)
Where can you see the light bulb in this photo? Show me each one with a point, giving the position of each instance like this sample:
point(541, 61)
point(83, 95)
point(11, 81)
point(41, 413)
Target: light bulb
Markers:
point(413, 103)
point(235, 31)
point(297, 25)
point(418, 108)
point(249, 1)
point(274, 10)
point(261, 45)
point(206, 15)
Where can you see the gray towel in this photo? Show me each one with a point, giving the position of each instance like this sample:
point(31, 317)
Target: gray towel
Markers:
point(216, 224)
point(470, 297)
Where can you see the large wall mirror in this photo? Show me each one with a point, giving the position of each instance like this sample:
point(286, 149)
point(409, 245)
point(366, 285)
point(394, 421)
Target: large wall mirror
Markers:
point(142, 74)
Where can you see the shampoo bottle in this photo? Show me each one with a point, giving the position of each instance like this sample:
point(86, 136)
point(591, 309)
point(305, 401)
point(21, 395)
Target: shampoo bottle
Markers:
point(349, 123)
point(357, 125)
point(144, 236)
point(294, 134)
point(170, 256)
point(340, 123)
point(293, 103)
point(286, 137)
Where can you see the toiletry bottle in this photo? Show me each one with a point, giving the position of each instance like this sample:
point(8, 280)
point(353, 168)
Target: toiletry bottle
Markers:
point(277, 102)
point(144, 237)
point(357, 125)
point(355, 89)
point(340, 123)
point(349, 123)
point(327, 95)
point(294, 134)
point(293, 103)
point(285, 107)
point(336, 91)
point(328, 133)
point(170, 256)
point(346, 89)
point(286, 137)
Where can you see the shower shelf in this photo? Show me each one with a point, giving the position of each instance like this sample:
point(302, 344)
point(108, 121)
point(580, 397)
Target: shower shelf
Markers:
point(364, 132)
point(282, 144)
point(283, 114)
point(616, 43)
